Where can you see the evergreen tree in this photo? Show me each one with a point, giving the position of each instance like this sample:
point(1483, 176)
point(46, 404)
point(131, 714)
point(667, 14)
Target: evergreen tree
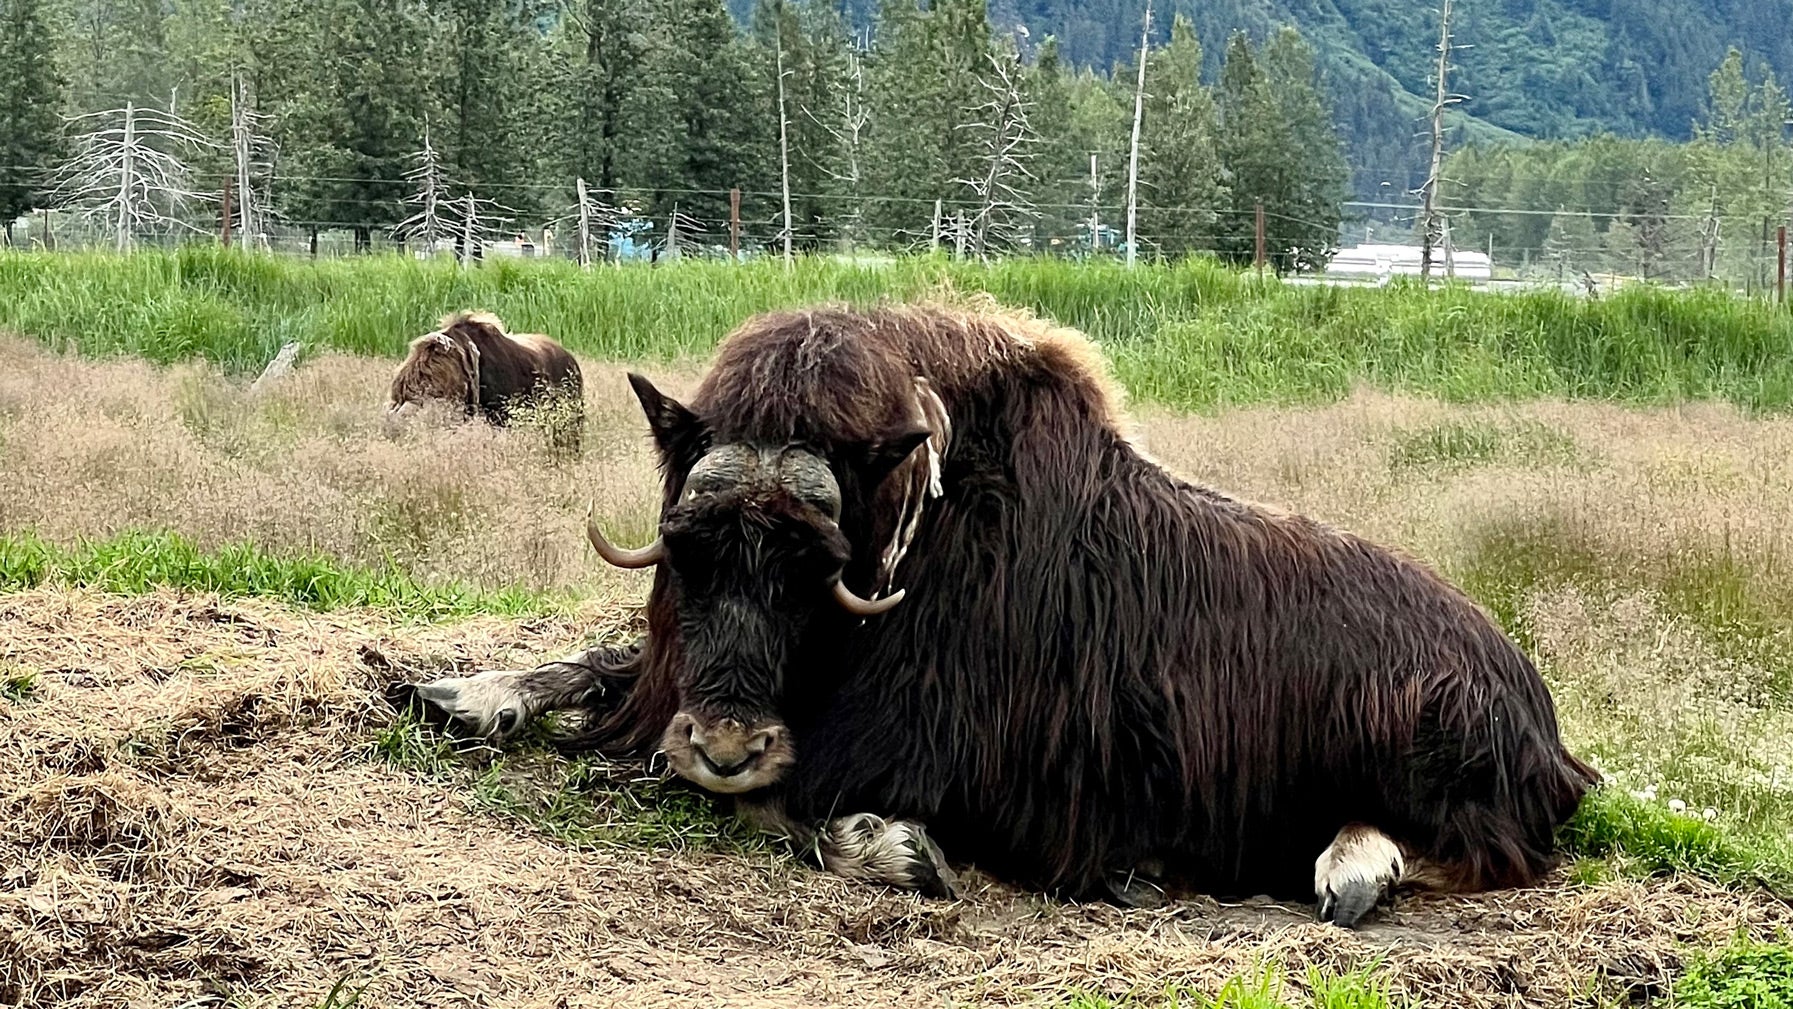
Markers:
point(1727, 94)
point(1100, 125)
point(1181, 189)
point(598, 51)
point(30, 130)
point(348, 124)
point(481, 55)
point(117, 52)
point(713, 138)
point(1571, 246)
point(926, 74)
point(809, 39)
point(1311, 209)
point(1061, 166)
point(1280, 150)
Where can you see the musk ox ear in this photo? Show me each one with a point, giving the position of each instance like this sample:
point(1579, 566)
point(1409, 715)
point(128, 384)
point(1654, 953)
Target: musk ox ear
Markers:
point(677, 431)
point(874, 461)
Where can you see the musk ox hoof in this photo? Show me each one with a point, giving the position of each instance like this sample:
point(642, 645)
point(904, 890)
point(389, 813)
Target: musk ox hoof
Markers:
point(1354, 873)
point(489, 704)
point(896, 853)
point(1133, 889)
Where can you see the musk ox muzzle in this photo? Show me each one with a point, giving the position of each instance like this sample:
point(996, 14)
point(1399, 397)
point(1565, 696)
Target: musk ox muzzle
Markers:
point(723, 755)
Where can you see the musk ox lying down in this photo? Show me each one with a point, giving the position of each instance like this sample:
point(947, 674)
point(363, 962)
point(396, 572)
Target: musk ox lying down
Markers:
point(471, 361)
point(916, 591)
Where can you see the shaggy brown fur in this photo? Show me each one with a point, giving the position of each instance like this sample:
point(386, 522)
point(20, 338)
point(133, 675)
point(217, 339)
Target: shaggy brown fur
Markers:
point(472, 361)
point(1099, 668)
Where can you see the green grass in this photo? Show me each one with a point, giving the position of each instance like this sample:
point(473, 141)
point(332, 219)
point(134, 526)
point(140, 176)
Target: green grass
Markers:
point(1263, 989)
point(583, 803)
point(1745, 975)
point(340, 995)
point(17, 685)
point(1740, 612)
point(135, 563)
point(590, 804)
point(1194, 335)
point(1461, 444)
point(1636, 837)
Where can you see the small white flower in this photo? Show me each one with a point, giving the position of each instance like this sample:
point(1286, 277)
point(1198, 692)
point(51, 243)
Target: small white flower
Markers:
point(1677, 807)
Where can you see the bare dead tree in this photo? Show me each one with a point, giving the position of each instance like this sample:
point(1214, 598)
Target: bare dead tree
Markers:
point(252, 151)
point(594, 215)
point(1430, 216)
point(478, 222)
point(1095, 206)
point(127, 172)
point(677, 227)
point(853, 116)
point(1007, 141)
point(429, 184)
point(784, 143)
point(1139, 105)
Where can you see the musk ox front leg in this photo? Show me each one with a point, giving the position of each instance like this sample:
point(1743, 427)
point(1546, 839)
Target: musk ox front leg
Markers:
point(497, 703)
point(1360, 867)
point(865, 846)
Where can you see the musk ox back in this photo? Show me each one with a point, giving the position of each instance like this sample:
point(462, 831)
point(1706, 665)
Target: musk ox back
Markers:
point(470, 361)
point(915, 581)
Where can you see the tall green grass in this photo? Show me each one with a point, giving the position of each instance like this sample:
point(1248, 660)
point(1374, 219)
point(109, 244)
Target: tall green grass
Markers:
point(136, 563)
point(1192, 335)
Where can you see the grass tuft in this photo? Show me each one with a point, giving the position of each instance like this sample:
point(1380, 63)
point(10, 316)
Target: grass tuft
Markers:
point(1459, 444)
point(587, 804)
point(1745, 975)
point(1262, 989)
point(17, 685)
point(1637, 837)
point(411, 745)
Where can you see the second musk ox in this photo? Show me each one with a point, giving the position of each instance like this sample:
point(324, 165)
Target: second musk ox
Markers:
point(917, 592)
point(470, 362)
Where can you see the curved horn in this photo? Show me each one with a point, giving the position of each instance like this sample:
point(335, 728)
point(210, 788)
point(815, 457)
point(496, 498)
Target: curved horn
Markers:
point(864, 607)
point(646, 557)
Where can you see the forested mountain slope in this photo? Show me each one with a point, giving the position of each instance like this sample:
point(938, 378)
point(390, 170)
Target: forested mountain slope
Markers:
point(1538, 68)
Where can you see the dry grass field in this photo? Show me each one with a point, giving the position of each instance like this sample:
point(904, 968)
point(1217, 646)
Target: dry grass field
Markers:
point(211, 800)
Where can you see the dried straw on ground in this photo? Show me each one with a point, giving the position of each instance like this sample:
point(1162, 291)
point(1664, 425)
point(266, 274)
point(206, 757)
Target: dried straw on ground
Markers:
point(190, 816)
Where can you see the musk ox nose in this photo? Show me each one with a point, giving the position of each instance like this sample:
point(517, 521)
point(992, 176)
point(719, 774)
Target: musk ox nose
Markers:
point(724, 755)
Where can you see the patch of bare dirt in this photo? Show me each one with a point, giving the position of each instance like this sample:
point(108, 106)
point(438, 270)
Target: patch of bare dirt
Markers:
point(189, 817)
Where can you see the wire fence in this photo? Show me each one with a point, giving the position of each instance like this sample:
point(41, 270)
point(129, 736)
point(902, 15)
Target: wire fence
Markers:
point(1372, 238)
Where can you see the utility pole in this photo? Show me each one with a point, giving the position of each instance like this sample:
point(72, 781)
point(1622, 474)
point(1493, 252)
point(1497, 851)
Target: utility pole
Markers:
point(936, 243)
point(1139, 105)
point(1429, 213)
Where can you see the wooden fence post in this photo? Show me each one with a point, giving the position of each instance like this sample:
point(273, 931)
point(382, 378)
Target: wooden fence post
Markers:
point(224, 225)
point(734, 223)
point(1780, 266)
point(1258, 260)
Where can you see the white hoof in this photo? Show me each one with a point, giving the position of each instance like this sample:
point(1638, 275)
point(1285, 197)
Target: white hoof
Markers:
point(896, 853)
point(1355, 872)
point(488, 703)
